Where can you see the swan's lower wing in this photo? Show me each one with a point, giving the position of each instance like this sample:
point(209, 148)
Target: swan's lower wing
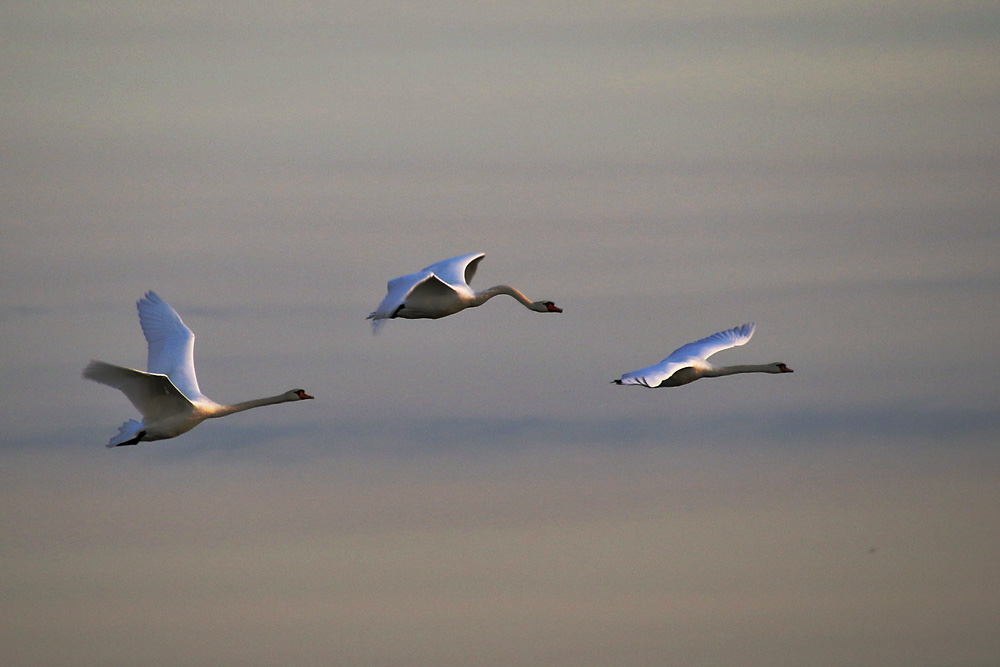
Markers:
point(153, 395)
point(433, 297)
point(397, 291)
point(653, 376)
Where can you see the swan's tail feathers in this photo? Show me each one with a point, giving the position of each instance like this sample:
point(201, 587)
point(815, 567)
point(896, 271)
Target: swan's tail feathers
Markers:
point(128, 431)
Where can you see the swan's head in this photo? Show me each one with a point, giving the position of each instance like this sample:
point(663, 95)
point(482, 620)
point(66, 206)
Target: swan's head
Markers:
point(546, 307)
point(298, 395)
point(781, 368)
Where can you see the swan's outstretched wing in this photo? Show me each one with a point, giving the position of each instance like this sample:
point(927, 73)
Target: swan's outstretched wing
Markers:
point(717, 342)
point(457, 271)
point(692, 354)
point(171, 344)
point(153, 395)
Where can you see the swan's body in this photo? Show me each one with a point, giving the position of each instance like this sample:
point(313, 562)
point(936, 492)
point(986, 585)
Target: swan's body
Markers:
point(690, 362)
point(167, 394)
point(443, 289)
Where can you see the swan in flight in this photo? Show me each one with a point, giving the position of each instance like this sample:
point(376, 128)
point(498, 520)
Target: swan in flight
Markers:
point(443, 289)
point(690, 362)
point(167, 394)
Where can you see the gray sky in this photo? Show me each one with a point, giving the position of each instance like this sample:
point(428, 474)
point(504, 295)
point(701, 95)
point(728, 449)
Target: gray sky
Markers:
point(472, 490)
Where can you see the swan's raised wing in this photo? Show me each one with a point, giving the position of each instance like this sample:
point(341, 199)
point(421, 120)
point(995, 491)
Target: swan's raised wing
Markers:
point(171, 344)
point(457, 271)
point(153, 395)
point(692, 354)
point(717, 342)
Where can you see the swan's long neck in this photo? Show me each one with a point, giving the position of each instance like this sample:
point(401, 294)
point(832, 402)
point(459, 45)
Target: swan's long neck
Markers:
point(482, 297)
point(733, 370)
point(249, 405)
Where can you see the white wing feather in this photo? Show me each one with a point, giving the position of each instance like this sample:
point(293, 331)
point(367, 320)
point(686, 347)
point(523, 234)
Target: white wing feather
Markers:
point(171, 345)
point(717, 342)
point(153, 395)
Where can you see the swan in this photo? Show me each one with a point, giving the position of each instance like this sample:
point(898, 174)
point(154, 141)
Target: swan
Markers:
point(167, 394)
point(689, 362)
point(443, 289)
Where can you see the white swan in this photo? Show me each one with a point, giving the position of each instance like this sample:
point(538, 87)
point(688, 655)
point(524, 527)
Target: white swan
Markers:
point(167, 394)
point(443, 289)
point(689, 362)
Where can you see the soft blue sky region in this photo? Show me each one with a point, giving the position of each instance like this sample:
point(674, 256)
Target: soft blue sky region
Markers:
point(473, 491)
